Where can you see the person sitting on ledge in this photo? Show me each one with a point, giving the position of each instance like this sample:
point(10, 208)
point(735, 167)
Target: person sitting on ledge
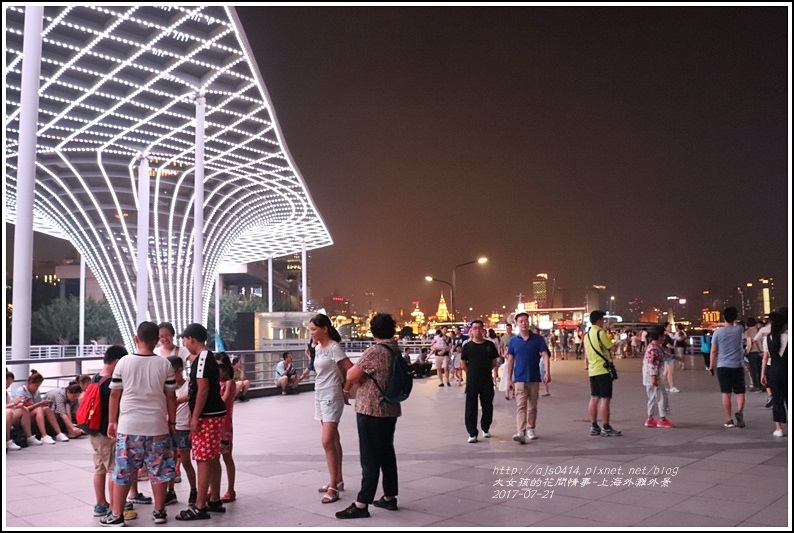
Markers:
point(286, 376)
point(421, 368)
point(239, 379)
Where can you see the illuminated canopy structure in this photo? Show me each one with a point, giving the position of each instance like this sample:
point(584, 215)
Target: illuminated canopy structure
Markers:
point(121, 83)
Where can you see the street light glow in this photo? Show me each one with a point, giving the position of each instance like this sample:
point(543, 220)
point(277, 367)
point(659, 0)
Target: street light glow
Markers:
point(482, 260)
point(429, 278)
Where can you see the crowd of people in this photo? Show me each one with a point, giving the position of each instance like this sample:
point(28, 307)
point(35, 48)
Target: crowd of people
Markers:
point(165, 407)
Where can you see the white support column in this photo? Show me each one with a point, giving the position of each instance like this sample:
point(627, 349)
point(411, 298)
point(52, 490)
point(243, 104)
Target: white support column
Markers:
point(270, 284)
point(198, 212)
point(305, 278)
point(25, 185)
point(142, 280)
point(81, 335)
point(218, 290)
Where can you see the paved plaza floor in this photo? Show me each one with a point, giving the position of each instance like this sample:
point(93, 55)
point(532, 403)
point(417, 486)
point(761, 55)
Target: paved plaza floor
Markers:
point(699, 474)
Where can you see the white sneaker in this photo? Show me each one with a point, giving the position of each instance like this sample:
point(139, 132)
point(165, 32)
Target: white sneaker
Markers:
point(486, 434)
point(674, 389)
point(519, 437)
point(472, 440)
point(60, 437)
point(11, 445)
point(531, 434)
point(777, 433)
point(33, 441)
point(46, 439)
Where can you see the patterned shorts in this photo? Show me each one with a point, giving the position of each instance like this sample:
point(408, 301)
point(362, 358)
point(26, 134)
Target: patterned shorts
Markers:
point(135, 451)
point(182, 439)
point(207, 442)
point(226, 441)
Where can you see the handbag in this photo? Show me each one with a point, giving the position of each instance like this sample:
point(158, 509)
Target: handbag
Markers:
point(609, 365)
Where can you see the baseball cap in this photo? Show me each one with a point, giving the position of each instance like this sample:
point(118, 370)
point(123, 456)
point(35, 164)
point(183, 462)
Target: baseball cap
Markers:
point(197, 331)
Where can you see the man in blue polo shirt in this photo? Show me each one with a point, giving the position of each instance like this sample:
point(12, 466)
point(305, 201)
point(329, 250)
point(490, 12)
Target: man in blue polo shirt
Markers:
point(523, 376)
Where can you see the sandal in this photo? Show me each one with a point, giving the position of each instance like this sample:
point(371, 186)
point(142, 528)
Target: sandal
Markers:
point(331, 496)
point(339, 486)
point(216, 507)
point(194, 513)
point(230, 496)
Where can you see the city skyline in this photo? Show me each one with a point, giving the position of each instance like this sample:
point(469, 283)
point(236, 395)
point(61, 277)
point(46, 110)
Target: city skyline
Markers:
point(634, 134)
point(49, 248)
point(607, 145)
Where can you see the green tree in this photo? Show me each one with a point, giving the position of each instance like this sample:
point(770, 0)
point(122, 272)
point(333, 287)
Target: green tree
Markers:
point(58, 322)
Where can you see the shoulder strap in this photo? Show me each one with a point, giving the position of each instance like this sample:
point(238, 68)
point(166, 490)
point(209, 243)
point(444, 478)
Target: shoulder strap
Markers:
point(593, 347)
point(375, 381)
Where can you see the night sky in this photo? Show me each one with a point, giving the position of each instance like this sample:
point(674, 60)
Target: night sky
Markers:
point(640, 148)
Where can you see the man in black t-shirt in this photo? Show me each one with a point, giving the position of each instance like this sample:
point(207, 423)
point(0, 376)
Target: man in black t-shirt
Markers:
point(478, 360)
point(206, 422)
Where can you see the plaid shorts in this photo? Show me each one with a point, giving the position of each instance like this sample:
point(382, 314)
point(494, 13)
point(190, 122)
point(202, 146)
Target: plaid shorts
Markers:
point(207, 442)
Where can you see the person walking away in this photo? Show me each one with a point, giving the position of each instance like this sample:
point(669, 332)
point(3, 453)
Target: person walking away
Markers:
point(376, 420)
point(775, 373)
point(727, 358)
point(753, 353)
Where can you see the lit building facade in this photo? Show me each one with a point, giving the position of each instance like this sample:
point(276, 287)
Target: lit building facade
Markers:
point(540, 290)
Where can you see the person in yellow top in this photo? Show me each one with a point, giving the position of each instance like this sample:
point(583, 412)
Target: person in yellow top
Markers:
point(598, 346)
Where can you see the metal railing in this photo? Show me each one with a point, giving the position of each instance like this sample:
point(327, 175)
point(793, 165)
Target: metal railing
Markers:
point(60, 351)
point(259, 366)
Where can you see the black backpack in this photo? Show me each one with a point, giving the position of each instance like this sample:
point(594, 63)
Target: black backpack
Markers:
point(400, 380)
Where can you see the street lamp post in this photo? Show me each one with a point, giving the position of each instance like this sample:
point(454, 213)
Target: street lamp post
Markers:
point(481, 260)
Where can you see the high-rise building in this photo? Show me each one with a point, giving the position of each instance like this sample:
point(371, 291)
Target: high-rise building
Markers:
point(540, 290)
point(595, 299)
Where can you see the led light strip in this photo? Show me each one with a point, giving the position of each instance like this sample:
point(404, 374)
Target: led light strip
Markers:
point(257, 202)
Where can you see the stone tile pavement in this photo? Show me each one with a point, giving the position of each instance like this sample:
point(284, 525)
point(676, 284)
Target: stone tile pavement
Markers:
point(717, 477)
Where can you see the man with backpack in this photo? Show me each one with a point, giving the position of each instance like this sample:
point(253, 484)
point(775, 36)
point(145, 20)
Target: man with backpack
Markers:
point(93, 417)
point(376, 418)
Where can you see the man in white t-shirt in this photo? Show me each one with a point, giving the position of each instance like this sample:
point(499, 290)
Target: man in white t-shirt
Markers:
point(142, 420)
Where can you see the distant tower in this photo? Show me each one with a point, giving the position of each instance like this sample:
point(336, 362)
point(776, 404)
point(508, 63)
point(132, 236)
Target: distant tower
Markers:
point(540, 290)
point(442, 315)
